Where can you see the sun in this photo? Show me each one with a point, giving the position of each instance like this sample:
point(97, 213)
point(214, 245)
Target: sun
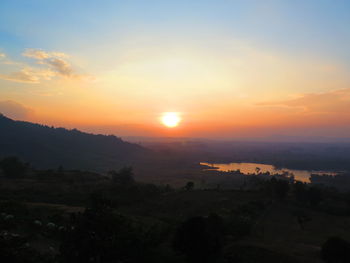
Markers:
point(171, 119)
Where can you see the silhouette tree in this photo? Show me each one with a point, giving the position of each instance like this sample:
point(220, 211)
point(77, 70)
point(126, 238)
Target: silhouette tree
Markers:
point(123, 177)
point(98, 202)
point(60, 169)
point(307, 195)
point(279, 188)
point(336, 250)
point(302, 218)
point(189, 186)
point(314, 195)
point(102, 236)
point(300, 192)
point(13, 167)
point(200, 239)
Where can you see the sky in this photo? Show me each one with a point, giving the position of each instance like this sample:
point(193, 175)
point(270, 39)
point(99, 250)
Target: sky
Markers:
point(230, 69)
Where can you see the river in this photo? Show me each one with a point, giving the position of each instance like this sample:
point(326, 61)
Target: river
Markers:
point(254, 168)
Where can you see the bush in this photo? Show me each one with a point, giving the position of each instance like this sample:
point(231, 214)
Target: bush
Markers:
point(13, 167)
point(14, 249)
point(123, 177)
point(236, 253)
point(189, 186)
point(278, 188)
point(200, 239)
point(336, 250)
point(101, 236)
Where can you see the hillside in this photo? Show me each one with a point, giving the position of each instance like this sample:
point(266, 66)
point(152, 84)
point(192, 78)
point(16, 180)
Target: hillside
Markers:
point(79, 216)
point(48, 147)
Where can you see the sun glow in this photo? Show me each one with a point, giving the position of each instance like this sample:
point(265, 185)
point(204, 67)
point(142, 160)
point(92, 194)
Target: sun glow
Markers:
point(171, 119)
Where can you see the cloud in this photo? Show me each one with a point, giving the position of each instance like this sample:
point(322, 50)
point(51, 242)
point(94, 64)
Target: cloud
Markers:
point(55, 60)
point(24, 75)
point(29, 75)
point(52, 64)
point(36, 54)
point(60, 66)
point(336, 101)
point(15, 110)
point(41, 54)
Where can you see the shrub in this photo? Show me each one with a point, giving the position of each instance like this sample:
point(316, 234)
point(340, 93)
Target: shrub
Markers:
point(336, 250)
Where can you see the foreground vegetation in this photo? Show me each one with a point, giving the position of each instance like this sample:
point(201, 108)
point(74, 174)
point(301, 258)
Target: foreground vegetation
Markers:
point(76, 216)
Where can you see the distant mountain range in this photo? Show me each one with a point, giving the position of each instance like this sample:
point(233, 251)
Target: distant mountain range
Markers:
point(49, 147)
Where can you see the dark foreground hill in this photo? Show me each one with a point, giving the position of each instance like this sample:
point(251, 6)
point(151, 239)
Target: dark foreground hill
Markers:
point(47, 147)
point(61, 216)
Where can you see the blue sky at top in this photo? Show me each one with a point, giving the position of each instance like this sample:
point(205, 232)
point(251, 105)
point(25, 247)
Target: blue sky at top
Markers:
point(289, 26)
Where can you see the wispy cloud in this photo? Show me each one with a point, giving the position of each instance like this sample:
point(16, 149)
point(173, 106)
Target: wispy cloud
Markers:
point(52, 64)
point(336, 101)
point(61, 66)
point(41, 54)
point(29, 75)
point(56, 61)
point(24, 75)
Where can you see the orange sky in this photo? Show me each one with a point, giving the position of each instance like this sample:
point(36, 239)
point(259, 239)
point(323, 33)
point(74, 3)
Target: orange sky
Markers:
point(228, 75)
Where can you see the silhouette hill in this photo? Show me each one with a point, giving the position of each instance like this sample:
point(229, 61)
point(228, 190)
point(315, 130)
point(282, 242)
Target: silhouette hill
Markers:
point(48, 147)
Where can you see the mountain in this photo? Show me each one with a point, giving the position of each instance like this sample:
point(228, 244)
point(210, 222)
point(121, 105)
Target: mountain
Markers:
point(49, 147)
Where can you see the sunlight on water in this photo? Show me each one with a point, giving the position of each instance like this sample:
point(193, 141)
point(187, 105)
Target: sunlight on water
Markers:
point(254, 168)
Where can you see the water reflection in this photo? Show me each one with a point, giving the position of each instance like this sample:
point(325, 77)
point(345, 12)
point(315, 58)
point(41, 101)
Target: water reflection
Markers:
point(255, 168)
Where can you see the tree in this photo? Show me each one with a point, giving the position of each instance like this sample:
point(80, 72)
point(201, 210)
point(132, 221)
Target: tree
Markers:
point(98, 202)
point(307, 195)
point(200, 239)
point(189, 186)
point(60, 169)
point(314, 196)
point(279, 188)
point(336, 250)
point(13, 167)
point(300, 192)
point(103, 236)
point(302, 218)
point(123, 177)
